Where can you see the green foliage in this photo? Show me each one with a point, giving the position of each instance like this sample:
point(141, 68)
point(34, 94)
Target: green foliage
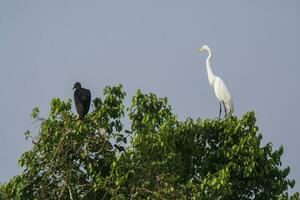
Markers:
point(165, 159)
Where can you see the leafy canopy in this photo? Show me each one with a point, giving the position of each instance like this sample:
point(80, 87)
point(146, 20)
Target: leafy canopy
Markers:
point(159, 157)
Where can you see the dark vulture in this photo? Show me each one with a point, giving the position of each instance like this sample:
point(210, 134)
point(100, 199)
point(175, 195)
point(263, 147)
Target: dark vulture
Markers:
point(82, 98)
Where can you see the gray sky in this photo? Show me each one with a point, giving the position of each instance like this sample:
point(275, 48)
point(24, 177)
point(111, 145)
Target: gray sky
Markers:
point(45, 46)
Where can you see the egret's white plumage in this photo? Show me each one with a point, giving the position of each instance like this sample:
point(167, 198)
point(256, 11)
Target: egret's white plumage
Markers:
point(221, 91)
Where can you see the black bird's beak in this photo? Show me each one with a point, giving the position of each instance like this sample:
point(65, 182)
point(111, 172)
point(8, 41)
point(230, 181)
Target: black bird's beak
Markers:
point(73, 87)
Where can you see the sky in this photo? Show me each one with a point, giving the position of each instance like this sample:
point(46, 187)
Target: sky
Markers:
point(46, 46)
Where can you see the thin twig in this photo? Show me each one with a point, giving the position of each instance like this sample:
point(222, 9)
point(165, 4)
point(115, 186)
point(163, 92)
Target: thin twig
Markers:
point(70, 192)
point(104, 195)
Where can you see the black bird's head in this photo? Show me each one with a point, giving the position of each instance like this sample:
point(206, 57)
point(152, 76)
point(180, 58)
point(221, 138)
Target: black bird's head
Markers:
point(77, 86)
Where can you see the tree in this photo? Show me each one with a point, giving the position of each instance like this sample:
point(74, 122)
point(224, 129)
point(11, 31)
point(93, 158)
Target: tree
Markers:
point(165, 158)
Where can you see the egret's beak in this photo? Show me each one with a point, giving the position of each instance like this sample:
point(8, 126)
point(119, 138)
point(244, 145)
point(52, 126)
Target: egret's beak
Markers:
point(199, 50)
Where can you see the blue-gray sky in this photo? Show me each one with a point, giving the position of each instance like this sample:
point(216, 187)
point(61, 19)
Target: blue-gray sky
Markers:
point(45, 46)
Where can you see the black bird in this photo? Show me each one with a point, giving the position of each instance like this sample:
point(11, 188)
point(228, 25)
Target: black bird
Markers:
point(82, 98)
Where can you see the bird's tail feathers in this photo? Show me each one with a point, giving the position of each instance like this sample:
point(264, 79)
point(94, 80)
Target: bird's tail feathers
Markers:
point(230, 107)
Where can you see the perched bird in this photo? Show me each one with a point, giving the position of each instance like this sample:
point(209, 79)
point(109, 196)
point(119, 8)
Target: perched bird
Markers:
point(82, 98)
point(218, 85)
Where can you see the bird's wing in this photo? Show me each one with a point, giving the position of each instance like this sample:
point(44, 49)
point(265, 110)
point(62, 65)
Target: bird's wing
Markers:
point(82, 100)
point(88, 97)
point(83, 94)
point(222, 93)
point(78, 103)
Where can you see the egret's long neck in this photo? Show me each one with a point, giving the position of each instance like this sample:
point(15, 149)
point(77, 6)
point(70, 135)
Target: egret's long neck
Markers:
point(210, 73)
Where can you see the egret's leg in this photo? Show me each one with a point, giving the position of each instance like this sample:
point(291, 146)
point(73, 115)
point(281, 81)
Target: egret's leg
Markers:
point(225, 109)
point(220, 110)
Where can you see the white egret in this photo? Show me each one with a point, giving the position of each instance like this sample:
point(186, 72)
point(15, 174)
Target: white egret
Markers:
point(218, 84)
